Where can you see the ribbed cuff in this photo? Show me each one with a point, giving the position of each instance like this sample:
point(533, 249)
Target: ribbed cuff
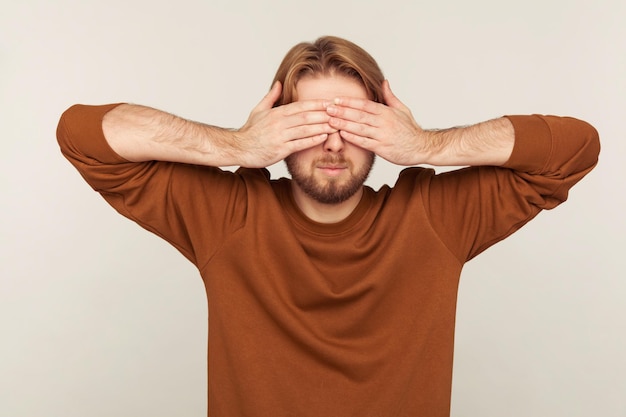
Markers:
point(86, 121)
point(533, 144)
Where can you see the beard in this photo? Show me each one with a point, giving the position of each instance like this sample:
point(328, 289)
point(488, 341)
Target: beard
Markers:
point(329, 190)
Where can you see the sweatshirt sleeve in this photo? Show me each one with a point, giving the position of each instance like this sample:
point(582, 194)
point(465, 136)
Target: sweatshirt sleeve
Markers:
point(192, 207)
point(473, 208)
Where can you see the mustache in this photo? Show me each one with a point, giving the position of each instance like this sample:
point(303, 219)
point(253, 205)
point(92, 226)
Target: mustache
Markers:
point(331, 160)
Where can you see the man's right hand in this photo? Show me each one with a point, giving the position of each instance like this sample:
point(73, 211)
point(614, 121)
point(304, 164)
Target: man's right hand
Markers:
point(139, 133)
point(272, 133)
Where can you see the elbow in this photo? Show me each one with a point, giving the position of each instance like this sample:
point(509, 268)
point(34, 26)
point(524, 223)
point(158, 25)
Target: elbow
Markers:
point(595, 143)
point(64, 129)
point(590, 140)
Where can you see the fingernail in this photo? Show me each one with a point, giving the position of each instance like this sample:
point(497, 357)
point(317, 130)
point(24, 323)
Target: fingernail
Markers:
point(337, 100)
point(331, 110)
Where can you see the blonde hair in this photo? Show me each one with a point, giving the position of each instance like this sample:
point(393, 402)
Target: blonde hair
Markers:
point(328, 55)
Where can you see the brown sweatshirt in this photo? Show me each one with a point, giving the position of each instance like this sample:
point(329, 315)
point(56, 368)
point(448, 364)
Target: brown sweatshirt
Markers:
point(354, 318)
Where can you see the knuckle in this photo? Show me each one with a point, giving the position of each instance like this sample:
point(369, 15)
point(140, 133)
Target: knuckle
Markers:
point(340, 123)
point(307, 117)
point(302, 131)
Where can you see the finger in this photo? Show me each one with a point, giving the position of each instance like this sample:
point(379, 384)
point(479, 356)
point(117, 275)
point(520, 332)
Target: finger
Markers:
point(360, 141)
point(270, 98)
point(304, 106)
point(318, 117)
point(350, 114)
point(390, 98)
point(368, 106)
point(305, 131)
point(305, 143)
point(359, 129)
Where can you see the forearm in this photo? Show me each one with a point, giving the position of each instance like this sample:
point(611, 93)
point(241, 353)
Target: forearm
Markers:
point(391, 132)
point(486, 143)
point(139, 133)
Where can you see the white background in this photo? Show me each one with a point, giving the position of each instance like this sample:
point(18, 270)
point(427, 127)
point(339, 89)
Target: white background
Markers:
point(100, 318)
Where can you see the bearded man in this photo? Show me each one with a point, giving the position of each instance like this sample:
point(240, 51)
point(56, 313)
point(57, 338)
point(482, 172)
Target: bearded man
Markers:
point(327, 297)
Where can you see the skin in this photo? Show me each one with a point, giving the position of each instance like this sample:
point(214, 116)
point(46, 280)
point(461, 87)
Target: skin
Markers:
point(328, 178)
point(391, 132)
point(365, 128)
point(139, 133)
point(332, 117)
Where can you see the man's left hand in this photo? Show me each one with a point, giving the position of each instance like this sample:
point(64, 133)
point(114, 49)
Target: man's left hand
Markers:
point(390, 131)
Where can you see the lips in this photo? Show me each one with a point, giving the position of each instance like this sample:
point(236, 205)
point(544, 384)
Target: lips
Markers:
point(332, 170)
point(332, 166)
point(327, 166)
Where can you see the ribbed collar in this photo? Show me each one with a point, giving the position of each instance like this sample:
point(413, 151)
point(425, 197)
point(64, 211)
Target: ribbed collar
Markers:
point(283, 190)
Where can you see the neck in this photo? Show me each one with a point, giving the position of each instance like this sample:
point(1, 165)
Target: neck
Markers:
point(325, 213)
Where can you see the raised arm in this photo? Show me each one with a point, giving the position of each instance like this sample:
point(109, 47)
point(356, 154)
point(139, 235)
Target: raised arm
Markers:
point(130, 154)
point(518, 166)
point(391, 132)
point(139, 133)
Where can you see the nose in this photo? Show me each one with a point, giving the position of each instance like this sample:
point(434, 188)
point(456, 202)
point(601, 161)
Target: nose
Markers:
point(334, 143)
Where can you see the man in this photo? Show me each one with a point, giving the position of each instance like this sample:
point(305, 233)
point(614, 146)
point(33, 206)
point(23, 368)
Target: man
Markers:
point(326, 297)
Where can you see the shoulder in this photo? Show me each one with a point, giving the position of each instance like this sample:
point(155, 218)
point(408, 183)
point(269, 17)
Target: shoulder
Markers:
point(410, 182)
point(410, 177)
point(254, 173)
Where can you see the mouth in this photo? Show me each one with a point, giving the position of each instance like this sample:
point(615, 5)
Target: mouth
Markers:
point(332, 166)
point(332, 169)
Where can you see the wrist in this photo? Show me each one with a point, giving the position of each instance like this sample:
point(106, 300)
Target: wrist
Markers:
point(436, 146)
